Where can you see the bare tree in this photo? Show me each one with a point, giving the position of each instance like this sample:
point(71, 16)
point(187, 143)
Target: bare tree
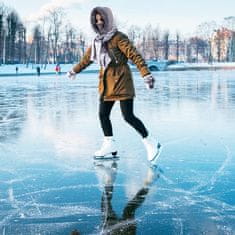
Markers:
point(148, 42)
point(229, 23)
point(177, 46)
point(69, 37)
point(218, 43)
point(232, 48)
point(56, 20)
point(166, 44)
point(156, 42)
point(37, 44)
point(21, 43)
point(13, 22)
point(47, 47)
point(188, 52)
point(134, 33)
point(205, 31)
point(222, 40)
point(2, 36)
point(197, 45)
point(2, 31)
point(143, 42)
point(81, 43)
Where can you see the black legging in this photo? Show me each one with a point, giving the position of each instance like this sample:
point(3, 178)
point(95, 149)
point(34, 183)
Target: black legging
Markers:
point(127, 112)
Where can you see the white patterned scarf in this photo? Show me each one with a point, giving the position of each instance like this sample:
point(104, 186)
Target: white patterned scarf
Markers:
point(99, 52)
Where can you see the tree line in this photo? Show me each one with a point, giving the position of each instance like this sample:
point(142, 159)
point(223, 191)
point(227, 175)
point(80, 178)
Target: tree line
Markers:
point(212, 42)
point(49, 41)
point(53, 42)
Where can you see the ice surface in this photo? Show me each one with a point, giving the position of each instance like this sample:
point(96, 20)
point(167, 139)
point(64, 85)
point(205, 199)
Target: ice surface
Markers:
point(50, 184)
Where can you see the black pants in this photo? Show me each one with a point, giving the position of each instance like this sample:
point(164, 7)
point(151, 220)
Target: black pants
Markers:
point(128, 115)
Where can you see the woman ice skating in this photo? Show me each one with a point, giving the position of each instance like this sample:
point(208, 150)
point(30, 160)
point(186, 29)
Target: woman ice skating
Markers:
point(111, 49)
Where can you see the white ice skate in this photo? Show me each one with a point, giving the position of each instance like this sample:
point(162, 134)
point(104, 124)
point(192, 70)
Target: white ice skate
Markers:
point(107, 150)
point(153, 148)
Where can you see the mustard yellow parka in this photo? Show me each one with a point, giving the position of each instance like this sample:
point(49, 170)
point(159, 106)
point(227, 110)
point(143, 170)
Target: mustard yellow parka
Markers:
point(116, 81)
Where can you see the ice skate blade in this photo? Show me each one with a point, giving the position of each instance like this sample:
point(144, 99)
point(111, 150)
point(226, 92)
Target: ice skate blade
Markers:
point(107, 157)
point(154, 160)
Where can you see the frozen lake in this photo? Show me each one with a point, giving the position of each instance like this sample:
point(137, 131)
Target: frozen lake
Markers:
point(50, 184)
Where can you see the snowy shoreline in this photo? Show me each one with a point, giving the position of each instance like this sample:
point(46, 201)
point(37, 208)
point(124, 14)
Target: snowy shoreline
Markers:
point(41, 74)
point(201, 66)
point(23, 70)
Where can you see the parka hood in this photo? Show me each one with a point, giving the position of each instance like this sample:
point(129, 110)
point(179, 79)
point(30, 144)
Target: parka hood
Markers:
point(107, 16)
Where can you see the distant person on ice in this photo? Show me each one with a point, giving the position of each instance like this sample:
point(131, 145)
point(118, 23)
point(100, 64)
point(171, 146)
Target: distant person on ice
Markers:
point(57, 69)
point(111, 49)
point(38, 70)
point(17, 70)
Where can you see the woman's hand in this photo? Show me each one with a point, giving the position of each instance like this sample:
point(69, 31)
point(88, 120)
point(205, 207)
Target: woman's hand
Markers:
point(71, 74)
point(149, 81)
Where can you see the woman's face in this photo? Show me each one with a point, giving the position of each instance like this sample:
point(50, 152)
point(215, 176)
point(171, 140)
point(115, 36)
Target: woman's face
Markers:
point(99, 22)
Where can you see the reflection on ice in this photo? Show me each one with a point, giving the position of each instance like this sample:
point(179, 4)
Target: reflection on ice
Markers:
point(49, 184)
point(126, 223)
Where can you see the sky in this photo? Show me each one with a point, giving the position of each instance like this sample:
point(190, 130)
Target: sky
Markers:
point(175, 15)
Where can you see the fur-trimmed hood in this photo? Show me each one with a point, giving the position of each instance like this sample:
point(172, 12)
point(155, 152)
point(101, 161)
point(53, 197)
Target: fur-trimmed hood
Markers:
point(107, 16)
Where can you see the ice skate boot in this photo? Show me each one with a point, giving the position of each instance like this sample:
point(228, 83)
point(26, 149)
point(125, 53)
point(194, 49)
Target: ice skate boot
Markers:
point(153, 148)
point(107, 150)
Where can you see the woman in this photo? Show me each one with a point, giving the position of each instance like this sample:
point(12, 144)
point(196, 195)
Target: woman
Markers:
point(111, 49)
